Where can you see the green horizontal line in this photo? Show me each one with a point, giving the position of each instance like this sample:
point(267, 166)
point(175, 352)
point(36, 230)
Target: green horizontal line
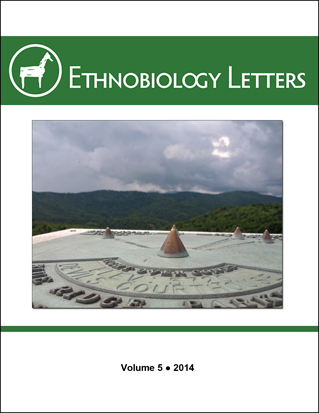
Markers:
point(164, 329)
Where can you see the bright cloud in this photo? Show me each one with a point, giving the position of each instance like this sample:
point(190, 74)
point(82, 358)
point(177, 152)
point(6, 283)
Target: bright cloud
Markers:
point(221, 154)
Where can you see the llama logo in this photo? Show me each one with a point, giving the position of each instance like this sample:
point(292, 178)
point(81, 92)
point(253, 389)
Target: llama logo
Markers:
point(35, 71)
point(42, 79)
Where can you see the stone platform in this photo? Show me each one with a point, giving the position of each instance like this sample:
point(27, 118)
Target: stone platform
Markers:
point(81, 269)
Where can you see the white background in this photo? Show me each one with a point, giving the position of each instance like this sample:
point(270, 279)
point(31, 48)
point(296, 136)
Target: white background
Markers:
point(233, 371)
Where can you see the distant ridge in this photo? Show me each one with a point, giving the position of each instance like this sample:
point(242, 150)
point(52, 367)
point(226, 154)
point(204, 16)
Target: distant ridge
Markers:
point(250, 218)
point(133, 209)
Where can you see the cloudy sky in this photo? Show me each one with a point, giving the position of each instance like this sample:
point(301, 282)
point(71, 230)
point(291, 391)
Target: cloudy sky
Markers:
point(161, 156)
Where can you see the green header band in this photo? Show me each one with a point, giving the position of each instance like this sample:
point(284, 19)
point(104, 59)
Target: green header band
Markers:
point(162, 329)
point(159, 70)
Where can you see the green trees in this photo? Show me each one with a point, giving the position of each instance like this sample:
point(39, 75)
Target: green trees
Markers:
point(44, 227)
point(110, 206)
point(251, 211)
point(250, 218)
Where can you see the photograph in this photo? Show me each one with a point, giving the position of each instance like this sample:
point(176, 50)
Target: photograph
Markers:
point(169, 214)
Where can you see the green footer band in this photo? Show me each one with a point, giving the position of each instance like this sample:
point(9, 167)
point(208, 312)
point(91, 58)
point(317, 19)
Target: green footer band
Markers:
point(164, 329)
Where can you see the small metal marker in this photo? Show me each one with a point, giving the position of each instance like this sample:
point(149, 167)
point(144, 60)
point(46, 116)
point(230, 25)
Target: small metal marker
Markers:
point(266, 237)
point(237, 234)
point(173, 246)
point(108, 234)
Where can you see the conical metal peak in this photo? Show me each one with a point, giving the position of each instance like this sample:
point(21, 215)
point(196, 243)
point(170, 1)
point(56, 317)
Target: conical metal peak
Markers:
point(173, 246)
point(266, 237)
point(174, 227)
point(238, 234)
point(108, 234)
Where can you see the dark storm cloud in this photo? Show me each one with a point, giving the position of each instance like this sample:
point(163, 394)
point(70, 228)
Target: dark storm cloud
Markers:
point(205, 156)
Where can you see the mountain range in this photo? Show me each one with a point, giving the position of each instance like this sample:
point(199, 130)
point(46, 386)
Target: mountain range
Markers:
point(133, 209)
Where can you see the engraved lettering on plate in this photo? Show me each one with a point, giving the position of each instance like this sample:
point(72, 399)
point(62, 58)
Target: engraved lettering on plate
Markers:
point(110, 302)
point(241, 303)
point(133, 277)
point(267, 302)
point(180, 274)
point(277, 302)
point(141, 288)
point(197, 273)
point(41, 280)
point(39, 276)
point(217, 288)
point(116, 274)
point(163, 291)
point(276, 294)
point(155, 272)
point(120, 287)
point(96, 280)
point(61, 290)
point(233, 286)
point(135, 303)
point(36, 274)
point(193, 304)
point(217, 304)
point(193, 289)
point(167, 274)
point(73, 294)
point(126, 269)
point(88, 299)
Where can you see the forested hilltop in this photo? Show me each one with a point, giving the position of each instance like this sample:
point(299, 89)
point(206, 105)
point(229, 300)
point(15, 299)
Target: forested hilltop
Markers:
point(132, 209)
point(250, 218)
